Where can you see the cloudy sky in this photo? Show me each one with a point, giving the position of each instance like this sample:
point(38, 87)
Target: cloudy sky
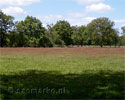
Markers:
point(77, 12)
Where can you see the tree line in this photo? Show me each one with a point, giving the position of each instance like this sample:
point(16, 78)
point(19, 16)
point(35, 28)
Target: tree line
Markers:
point(31, 33)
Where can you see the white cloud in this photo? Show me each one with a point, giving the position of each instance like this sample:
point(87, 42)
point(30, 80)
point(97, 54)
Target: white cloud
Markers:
point(78, 19)
point(17, 2)
point(81, 2)
point(13, 11)
point(120, 21)
point(98, 8)
point(89, 19)
point(81, 21)
point(50, 18)
point(75, 15)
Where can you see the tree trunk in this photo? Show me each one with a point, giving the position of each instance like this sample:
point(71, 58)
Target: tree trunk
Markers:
point(101, 45)
point(2, 39)
point(115, 44)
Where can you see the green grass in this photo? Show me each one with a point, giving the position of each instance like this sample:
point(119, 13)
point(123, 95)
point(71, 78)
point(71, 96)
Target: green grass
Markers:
point(80, 77)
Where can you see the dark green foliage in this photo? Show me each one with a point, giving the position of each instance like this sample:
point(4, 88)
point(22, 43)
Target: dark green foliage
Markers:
point(6, 24)
point(122, 40)
point(101, 32)
point(78, 35)
point(52, 35)
point(31, 33)
point(13, 39)
point(60, 43)
point(122, 37)
point(123, 30)
point(64, 31)
point(45, 42)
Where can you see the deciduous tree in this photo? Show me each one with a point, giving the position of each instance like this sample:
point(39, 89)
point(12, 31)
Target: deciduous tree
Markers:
point(64, 31)
point(6, 24)
point(100, 31)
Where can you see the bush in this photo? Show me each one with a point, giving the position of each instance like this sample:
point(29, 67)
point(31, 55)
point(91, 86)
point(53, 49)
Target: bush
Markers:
point(45, 42)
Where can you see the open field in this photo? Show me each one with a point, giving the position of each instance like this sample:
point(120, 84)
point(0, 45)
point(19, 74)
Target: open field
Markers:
point(62, 73)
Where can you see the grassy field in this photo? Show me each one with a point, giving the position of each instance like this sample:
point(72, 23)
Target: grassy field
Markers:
point(62, 73)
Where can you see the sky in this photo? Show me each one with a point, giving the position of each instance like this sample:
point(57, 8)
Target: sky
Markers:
point(76, 12)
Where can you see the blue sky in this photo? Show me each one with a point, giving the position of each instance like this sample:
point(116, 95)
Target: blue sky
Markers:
point(77, 12)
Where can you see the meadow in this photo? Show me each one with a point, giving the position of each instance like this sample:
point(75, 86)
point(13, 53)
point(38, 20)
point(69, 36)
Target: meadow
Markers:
point(62, 73)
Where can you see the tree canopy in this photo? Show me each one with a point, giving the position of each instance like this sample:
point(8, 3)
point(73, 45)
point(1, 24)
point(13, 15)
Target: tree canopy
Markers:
point(63, 29)
point(101, 31)
point(31, 33)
